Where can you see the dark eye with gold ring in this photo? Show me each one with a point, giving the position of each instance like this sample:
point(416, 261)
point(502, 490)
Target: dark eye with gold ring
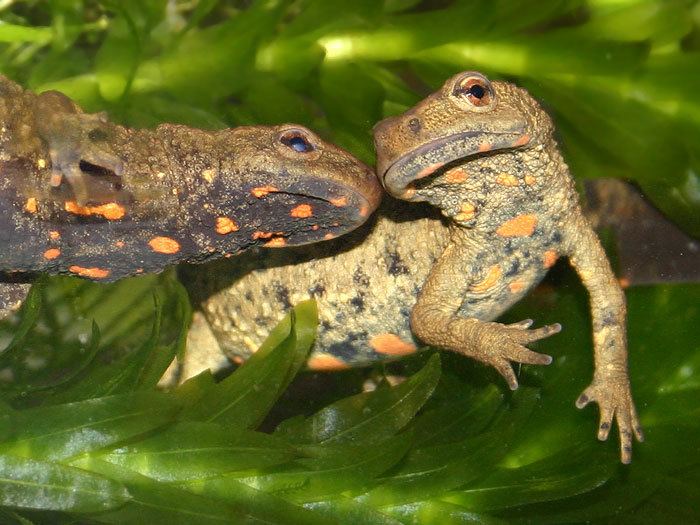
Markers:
point(297, 142)
point(475, 89)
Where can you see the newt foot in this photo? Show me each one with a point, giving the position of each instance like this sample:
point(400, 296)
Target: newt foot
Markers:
point(614, 398)
point(499, 345)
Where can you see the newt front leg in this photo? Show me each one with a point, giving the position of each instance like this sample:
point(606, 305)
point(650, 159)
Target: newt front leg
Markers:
point(611, 386)
point(464, 290)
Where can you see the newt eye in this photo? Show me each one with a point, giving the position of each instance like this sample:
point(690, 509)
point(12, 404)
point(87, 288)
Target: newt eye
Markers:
point(475, 89)
point(297, 142)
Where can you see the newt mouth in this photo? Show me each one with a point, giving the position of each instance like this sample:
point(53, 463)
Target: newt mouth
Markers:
point(424, 161)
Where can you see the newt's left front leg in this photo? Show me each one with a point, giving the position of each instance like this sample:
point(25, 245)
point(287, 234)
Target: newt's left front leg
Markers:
point(611, 386)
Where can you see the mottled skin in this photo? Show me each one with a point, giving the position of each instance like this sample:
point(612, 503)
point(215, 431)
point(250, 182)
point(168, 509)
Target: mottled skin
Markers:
point(365, 284)
point(483, 152)
point(510, 210)
point(82, 196)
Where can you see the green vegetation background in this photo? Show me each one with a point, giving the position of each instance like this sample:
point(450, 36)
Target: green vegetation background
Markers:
point(86, 436)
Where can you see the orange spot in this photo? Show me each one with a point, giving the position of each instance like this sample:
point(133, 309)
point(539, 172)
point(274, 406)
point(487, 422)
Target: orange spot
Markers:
point(30, 205)
point(516, 286)
point(238, 359)
point(549, 258)
point(325, 362)
point(110, 211)
point(409, 193)
point(51, 253)
point(262, 235)
point(506, 179)
point(54, 235)
point(391, 344)
point(225, 225)
point(466, 212)
point(364, 211)
point(429, 170)
point(303, 211)
point(261, 191)
point(485, 146)
point(119, 244)
point(488, 282)
point(139, 270)
point(624, 282)
point(92, 273)
point(276, 242)
point(328, 236)
point(315, 227)
point(530, 180)
point(520, 226)
point(456, 175)
point(55, 179)
point(164, 245)
point(339, 202)
point(524, 139)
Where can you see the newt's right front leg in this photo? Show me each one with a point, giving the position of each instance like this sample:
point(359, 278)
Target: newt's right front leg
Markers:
point(467, 288)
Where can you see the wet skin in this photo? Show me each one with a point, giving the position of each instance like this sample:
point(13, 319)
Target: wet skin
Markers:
point(82, 196)
point(484, 154)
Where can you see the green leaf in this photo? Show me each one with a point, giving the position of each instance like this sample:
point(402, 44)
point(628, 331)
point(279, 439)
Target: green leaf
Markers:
point(29, 313)
point(154, 502)
point(243, 399)
point(62, 431)
point(369, 417)
point(196, 450)
point(337, 469)
point(30, 484)
point(566, 473)
point(435, 469)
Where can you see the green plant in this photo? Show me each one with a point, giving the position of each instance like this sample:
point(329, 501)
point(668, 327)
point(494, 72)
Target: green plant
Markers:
point(80, 409)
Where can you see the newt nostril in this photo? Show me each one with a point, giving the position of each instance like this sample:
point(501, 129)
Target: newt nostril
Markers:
point(414, 125)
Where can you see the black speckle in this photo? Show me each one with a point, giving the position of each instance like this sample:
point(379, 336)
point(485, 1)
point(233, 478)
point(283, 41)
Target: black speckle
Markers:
point(345, 350)
point(97, 135)
point(317, 290)
point(609, 319)
point(325, 325)
point(508, 247)
point(414, 125)
point(396, 265)
point(526, 254)
point(360, 278)
point(248, 296)
point(282, 294)
point(604, 426)
point(358, 302)
point(556, 238)
point(514, 268)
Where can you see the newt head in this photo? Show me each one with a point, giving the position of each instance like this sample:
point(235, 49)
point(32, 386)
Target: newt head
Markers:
point(468, 117)
point(299, 189)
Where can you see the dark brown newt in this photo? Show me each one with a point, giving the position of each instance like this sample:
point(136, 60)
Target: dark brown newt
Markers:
point(82, 196)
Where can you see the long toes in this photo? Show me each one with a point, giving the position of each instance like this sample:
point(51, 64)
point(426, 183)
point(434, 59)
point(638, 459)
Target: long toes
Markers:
point(506, 370)
point(522, 325)
point(606, 417)
point(523, 355)
point(625, 443)
point(636, 425)
point(540, 333)
point(584, 399)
